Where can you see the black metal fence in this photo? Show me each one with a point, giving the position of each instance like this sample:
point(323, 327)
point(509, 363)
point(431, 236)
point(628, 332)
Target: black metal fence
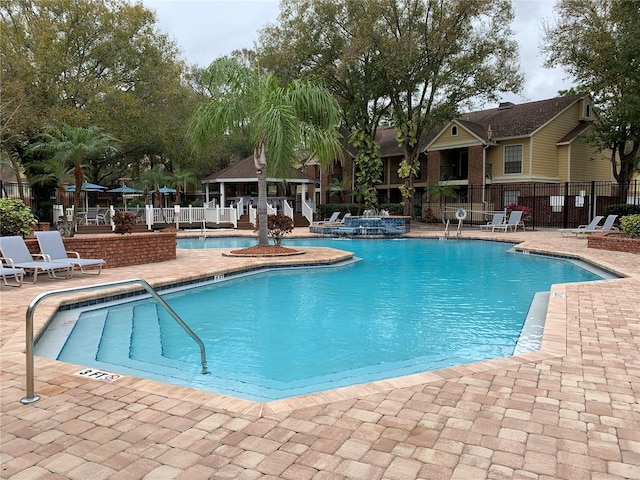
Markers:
point(553, 205)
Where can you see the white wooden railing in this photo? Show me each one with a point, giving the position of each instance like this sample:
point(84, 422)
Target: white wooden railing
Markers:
point(307, 210)
point(240, 207)
point(287, 209)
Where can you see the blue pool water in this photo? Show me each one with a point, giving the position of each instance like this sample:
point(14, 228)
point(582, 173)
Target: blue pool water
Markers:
point(410, 305)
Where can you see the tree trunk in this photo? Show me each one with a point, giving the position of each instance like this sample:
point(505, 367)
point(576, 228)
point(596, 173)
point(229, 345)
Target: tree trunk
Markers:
point(260, 162)
point(263, 231)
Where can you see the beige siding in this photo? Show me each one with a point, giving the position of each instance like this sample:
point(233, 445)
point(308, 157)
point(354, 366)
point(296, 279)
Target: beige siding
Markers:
point(545, 150)
point(587, 164)
point(446, 141)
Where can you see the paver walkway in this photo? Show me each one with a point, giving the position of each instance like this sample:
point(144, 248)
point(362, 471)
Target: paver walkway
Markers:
point(571, 411)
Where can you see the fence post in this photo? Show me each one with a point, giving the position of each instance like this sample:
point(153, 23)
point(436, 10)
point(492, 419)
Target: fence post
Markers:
point(565, 213)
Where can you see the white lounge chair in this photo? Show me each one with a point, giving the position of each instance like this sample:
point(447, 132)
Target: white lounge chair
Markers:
point(592, 226)
point(332, 219)
point(515, 218)
point(17, 274)
point(607, 226)
point(53, 249)
point(497, 220)
point(16, 253)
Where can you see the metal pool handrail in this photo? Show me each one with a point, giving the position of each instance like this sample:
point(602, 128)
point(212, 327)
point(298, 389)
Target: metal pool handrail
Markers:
point(31, 396)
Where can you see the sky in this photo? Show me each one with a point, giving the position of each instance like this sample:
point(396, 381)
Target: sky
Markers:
point(207, 29)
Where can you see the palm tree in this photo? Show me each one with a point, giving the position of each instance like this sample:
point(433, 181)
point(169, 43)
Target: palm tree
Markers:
point(180, 179)
point(75, 146)
point(283, 123)
point(154, 179)
point(57, 170)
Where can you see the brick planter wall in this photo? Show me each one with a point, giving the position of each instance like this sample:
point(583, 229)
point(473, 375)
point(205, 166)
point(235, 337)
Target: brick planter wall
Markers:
point(613, 241)
point(120, 250)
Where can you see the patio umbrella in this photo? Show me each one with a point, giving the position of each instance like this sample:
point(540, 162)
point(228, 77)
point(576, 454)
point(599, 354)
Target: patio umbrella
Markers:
point(125, 191)
point(86, 187)
point(164, 191)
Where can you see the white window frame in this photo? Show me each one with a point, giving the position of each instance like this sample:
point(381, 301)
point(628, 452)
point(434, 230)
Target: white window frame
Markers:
point(510, 196)
point(508, 159)
point(454, 131)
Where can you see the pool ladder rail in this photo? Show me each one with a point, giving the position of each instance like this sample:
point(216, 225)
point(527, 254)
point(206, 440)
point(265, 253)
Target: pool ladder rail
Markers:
point(458, 230)
point(31, 396)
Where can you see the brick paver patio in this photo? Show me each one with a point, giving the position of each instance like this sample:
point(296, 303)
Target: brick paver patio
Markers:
point(570, 411)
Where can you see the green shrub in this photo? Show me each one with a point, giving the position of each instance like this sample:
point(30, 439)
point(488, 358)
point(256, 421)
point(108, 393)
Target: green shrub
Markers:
point(15, 218)
point(631, 225)
point(622, 209)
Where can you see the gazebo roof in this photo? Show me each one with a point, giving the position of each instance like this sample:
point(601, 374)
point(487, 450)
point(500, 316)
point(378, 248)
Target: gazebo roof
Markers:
point(245, 171)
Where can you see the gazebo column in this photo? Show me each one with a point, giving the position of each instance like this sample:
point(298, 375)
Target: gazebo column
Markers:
point(223, 200)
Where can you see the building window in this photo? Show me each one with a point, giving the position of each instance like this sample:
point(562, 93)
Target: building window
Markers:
point(587, 110)
point(511, 196)
point(513, 159)
point(454, 131)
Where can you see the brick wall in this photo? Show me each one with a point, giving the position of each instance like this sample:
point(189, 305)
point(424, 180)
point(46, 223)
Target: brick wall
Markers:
point(120, 250)
point(613, 241)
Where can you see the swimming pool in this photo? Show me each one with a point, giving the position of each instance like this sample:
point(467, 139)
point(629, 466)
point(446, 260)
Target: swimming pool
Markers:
point(411, 305)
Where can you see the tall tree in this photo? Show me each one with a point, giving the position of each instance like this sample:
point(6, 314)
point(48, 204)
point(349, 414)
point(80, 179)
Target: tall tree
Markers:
point(284, 124)
point(597, 42)
point(441, 57)
point(89, 62)
point(76, 146)
point(329, 42)
point(426, 59)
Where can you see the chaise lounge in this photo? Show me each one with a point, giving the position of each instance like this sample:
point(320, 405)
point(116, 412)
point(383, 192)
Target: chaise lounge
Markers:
point(497, 220)
point(515, 219)
point(17, 274)
point(593, 224)
point(53, 249)
point(16, 253)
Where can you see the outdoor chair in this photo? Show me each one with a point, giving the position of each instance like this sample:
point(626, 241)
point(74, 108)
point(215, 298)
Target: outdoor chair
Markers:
point(332, 219)
point(16, 253)
point(497, 220)
point(53, 249)
point(591, 227)
point(17, 274)
point(515, 219)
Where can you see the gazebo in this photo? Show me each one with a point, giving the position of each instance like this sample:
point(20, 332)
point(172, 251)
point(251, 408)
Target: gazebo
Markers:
point(239, 181)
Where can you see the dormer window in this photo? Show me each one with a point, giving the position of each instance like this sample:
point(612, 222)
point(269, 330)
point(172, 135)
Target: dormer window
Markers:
point(454, 131)
point(587, 110)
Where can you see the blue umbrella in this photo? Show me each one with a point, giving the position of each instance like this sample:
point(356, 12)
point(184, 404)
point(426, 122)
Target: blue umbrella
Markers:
point(86, 187)
point(124, 191)
point(163, 191)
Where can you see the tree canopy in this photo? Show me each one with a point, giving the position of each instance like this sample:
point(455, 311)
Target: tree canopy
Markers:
point(597, 42)
point(423, 59)
point(285, 124)
point(89, 62)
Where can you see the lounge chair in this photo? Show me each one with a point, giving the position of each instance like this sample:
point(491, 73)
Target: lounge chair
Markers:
point(11, 272)
point(607, 226)
point(592, 226)
point(515, 219)
point(332, 219)
point(16, 253)
point(497, 220)
point(53, 249)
